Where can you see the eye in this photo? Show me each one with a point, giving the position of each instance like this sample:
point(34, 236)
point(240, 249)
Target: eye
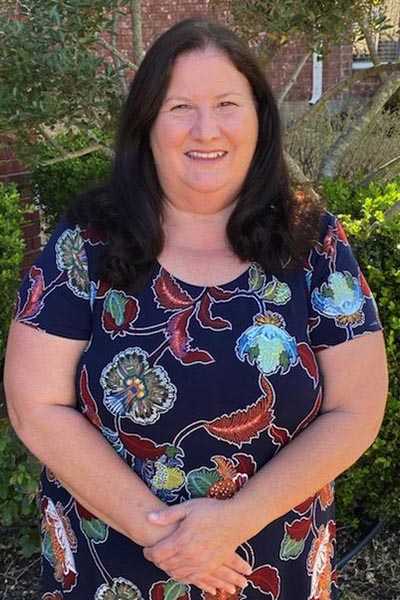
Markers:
point(227, 104)
point(180, 107)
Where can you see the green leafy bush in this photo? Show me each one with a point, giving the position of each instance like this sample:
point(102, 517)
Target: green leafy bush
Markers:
point(54, 184)
point(371, 488)
point(19, 472)
point(11, 252)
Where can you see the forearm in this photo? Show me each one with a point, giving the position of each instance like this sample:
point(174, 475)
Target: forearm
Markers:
point(91, 470)
point(316, 456)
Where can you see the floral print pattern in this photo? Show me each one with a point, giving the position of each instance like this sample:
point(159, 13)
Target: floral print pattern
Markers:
point(319, 563)
point(135, 390)
point(195, 389)
point(120, 589)
point(340, 298)
point(71, 258)
point(59, 543)
point(268, 344)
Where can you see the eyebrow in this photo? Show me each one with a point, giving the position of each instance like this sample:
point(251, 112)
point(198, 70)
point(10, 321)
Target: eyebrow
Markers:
point(186, 99)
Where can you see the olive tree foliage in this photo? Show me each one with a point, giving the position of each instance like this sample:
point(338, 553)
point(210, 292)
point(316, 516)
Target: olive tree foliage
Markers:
point(269, 25)
point(61, 70)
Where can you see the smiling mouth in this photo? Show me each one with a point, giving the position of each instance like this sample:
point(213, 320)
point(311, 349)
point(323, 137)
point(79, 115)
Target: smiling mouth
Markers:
point(194, 154)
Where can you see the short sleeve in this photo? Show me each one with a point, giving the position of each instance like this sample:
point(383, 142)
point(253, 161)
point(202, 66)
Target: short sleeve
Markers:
point(55, 294)
point(341, 303)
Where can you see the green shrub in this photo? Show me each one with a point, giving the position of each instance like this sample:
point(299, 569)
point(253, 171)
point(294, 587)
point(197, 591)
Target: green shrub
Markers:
point(19, 472)
point(54, 184)
point(371, 488)
point(11, 252)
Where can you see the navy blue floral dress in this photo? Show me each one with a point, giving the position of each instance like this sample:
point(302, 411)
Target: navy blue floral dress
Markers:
point(196, 388)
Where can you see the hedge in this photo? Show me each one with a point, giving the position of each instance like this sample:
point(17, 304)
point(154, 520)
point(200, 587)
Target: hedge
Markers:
point(11, 253)
point(371, 488)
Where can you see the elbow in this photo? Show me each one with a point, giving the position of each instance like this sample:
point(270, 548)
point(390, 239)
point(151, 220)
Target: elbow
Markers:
point(14, 415)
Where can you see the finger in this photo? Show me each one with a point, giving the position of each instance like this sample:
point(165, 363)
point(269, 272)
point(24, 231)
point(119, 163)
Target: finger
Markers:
point(161, 552)
point(229, 576)
point(238, 563)
point(205, 584)
point(168, 515)
point(214, 582)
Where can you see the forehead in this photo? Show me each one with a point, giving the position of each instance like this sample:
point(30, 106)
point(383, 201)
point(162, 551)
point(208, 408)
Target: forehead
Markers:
point(209, 69)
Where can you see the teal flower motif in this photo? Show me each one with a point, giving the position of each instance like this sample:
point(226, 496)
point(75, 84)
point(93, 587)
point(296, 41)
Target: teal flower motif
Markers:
point(120, 589)
point(71, 258)
point(135, 390)
point(340, 298)
point(267, 344)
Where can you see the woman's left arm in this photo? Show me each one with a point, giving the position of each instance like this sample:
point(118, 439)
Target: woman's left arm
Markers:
point(355, 390)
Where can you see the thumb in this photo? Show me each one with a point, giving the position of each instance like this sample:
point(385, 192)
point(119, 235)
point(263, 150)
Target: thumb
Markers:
point(169, 515)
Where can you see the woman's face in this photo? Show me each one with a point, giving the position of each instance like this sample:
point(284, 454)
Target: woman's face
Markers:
point(205, 133)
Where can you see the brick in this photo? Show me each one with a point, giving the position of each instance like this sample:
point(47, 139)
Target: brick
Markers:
point(31, 229)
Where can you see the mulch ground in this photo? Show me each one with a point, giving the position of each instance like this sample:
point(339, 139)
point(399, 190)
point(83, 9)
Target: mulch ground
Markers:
point(374, 574)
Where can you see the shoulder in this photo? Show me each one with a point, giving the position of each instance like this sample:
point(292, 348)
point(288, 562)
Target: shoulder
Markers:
point(330, 232)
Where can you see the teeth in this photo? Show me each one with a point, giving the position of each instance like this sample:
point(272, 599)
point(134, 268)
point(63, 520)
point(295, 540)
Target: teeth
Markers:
point(206, 154)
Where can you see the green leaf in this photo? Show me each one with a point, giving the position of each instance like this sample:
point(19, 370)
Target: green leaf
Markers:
point(290, 548)
point(256, 278)
point(200, 481)
point(173, 590)
point(95, 529)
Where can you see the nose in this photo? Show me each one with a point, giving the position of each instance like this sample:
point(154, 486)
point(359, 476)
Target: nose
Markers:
point(206, 126)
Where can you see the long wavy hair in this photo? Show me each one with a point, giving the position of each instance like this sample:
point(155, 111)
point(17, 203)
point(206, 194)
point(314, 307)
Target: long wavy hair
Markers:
point(270, 223)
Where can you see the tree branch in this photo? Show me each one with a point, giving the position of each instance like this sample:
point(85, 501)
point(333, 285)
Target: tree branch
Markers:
point(136, 15)
point(51, 141)
point(369, 38)
point(297, 176)
point(339, 87)
point(363, 117)
point(114, 52)
point(286, 89)
point(117, 61)
point(368, 178)
point(77, 154)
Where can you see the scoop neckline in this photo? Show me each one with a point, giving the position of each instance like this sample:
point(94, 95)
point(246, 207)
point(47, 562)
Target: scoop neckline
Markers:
point(182, 282)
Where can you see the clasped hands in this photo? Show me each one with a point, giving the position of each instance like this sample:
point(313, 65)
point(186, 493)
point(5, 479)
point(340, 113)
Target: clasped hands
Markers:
point(202, 549)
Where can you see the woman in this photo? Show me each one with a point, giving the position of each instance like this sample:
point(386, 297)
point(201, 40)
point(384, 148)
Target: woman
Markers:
point(181, 322)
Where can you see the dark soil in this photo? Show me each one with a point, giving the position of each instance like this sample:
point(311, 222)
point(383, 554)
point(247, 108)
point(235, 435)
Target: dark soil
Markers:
point(374, 574)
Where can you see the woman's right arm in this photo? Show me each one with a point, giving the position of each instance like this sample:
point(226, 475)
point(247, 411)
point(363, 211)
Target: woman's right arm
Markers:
point(39, 383)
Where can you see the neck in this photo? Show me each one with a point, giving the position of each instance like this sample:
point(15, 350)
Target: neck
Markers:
point(183, 229)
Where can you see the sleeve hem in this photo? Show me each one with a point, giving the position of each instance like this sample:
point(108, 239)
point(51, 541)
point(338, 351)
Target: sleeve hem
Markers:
point(371, 329)
point(65, 332)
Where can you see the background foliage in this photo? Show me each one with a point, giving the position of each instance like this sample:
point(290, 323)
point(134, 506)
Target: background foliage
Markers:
point(11, 252)
point(371, 488)
point(53, 184)
point(18, 471)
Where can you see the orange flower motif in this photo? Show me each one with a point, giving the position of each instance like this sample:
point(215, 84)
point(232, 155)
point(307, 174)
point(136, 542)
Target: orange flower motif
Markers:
point(319, 564)
point(59, 543)
point(326, 496)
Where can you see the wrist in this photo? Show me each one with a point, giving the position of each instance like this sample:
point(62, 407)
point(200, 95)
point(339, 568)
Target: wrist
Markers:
point(245, 517)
